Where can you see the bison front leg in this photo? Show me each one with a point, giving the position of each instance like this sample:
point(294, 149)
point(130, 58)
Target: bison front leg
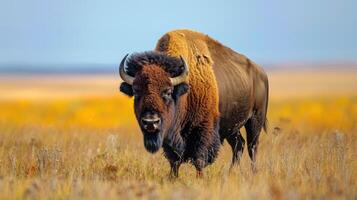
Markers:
point(175, 165)
point(174, 156)
point(206, 143)
point(199, 164)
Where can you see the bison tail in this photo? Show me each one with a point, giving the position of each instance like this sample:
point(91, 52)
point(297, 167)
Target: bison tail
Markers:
point(266, 125)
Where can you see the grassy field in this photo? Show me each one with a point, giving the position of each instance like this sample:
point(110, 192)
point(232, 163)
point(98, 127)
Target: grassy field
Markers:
point(75, 137)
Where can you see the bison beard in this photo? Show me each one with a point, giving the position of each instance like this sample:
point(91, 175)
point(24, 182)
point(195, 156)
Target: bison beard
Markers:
point(152, 142)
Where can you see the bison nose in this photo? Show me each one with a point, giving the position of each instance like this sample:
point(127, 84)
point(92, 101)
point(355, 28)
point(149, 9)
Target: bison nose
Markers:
point(150, 122)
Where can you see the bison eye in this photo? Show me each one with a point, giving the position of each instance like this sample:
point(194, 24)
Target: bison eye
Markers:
point(166, 94)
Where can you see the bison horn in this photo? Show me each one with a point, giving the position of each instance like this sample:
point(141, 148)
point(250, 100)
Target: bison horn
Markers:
point(183, 76)
point(123, 75)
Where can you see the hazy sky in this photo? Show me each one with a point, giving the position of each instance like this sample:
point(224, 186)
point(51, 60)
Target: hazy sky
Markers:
point(78, 31)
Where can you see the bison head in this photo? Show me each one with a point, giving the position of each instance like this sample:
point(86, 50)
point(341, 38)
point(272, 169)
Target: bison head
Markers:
point(157, 82)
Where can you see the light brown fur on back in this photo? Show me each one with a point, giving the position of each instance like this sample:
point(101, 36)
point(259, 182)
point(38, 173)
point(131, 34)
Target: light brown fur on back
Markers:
point(192, 46)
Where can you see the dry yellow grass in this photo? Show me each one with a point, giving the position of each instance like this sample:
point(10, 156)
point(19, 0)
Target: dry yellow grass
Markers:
point(76, 137)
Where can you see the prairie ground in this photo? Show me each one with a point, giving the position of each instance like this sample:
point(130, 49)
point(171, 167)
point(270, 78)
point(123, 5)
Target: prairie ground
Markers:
point(75, 137)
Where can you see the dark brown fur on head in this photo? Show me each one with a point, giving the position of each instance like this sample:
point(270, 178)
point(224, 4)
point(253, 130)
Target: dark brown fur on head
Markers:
point(173, 66)
point(152, 72)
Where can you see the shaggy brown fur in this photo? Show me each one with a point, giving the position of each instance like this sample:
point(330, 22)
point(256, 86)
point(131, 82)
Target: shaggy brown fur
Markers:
point(242, 86)
point(220, 80)
point(202, 103)
point(171, 65)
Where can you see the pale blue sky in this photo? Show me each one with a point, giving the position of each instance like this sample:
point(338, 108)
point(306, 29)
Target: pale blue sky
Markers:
point(78, 31)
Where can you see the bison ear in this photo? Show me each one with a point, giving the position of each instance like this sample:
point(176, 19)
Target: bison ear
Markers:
point(179, 90)
point(126, 89)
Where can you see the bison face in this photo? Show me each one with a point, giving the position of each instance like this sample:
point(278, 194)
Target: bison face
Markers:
point(156, 100)
point(154, 105)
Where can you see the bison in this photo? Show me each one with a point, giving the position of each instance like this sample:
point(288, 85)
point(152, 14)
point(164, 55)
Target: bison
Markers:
point(190, 94)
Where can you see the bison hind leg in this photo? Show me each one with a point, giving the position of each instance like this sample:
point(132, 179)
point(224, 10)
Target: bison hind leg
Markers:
point(236, 141)
point(253, 128)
